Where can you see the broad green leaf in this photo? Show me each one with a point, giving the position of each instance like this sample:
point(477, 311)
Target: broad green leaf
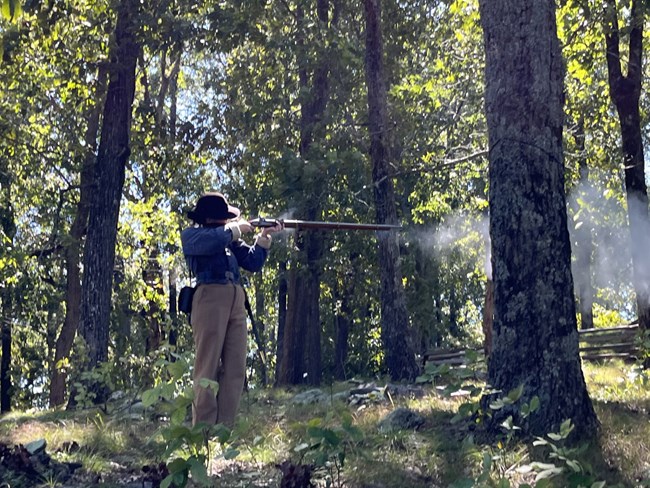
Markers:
point(515, 394)
point(149, 397)
point(566, 428)
point(231, 453)
point(177, 369)
point(199, 471)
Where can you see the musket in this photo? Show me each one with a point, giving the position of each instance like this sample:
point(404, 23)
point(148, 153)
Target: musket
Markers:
point(312, 224)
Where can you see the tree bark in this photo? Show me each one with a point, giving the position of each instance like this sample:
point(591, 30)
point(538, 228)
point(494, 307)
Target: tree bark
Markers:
point(302, 361)
point(5, 349)
point(282, 320)
point(625, 91)
point(583, 244)
point(7, 234)
point(343, 322)
point(535, 334)
point(99, 255)
point(395, 333)
point(488, 317)
point(73, 249)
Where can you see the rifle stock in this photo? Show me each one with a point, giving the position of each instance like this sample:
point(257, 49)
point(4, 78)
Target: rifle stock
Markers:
point(312, 224)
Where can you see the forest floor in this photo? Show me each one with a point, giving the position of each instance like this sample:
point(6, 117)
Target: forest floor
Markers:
point(341, 439)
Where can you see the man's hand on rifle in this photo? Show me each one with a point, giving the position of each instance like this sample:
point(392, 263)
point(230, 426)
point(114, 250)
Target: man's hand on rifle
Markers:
point(279, 226)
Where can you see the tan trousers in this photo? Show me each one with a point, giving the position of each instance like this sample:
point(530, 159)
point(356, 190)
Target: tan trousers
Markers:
point(219, 327)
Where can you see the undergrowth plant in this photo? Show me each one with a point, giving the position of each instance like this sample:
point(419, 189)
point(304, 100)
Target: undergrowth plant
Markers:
point(327, 447)
point(188, 446)
point(503, 460)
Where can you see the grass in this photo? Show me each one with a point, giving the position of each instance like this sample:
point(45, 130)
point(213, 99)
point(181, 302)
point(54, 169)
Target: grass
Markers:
point(270, 430)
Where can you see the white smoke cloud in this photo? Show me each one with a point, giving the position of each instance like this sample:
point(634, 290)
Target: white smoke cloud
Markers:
point(457, 230)
point(597, 218)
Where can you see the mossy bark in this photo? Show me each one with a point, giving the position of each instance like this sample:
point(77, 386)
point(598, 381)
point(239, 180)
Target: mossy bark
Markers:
point(113, 152)
point(535, 340)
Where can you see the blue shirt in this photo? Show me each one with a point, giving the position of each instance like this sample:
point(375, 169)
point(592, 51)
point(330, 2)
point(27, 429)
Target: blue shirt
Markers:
point(213, 256)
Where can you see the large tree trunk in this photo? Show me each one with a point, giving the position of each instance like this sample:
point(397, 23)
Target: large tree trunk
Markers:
point(292, 344)
point(301, 361)
point(73, 249)
point(535, 334)
point(99, 255)
point(395, 333)
point(625, 92)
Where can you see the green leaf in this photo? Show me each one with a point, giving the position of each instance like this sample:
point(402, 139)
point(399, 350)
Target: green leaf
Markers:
point(315, 422)
point(231, 453)
point(199, 471)
point(178, 415)
point(178, 465)
point(167, 391)
point(176, 369)
point(566, 428)
point(516, 393)
point(166, 483)
point(574, 465)
point(207, 383)
point(331, 437)
point(149, 397)
point(11, 9)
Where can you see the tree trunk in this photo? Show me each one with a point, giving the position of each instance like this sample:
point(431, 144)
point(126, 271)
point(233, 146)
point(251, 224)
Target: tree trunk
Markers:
point(7, 233)
point(292, 352)
point(5, 349)
point(395, 333)
point(99, 255)
point(173, 313)
point(73, 249)
point(302, 360)
point(152, 277)
point(259, 327)
point(626, 92)
point(583, 244)
point(282, 320)
point(488, 317)
point(343, 321)
point(535, 335)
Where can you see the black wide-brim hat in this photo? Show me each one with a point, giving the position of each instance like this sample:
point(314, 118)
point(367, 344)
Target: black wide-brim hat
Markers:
point(212, 205)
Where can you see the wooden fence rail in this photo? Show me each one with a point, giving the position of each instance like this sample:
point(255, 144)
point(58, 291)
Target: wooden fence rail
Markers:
point(609, 342)
point(595, 344)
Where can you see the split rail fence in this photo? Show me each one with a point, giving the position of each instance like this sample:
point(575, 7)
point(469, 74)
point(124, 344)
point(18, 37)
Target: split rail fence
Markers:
point(595, 344)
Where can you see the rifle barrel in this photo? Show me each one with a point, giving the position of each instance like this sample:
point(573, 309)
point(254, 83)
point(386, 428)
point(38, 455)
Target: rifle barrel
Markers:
point(312, 224)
